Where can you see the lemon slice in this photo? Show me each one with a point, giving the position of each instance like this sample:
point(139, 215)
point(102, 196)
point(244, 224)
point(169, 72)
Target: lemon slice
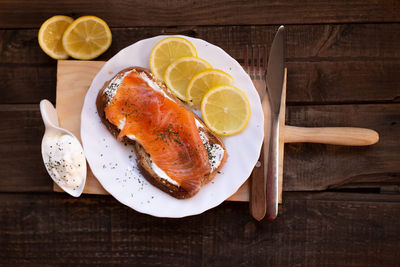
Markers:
point(87, 38)
point(50, 36)
point(168, 50)
point(204, 81)
point(225, 110)
point(181, 71)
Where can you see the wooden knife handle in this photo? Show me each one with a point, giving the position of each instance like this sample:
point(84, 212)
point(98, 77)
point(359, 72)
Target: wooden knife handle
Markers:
point(346, 136)
point(258, 193)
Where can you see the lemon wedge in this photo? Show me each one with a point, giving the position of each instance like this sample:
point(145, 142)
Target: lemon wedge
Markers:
point(179, 73)
point(225, 110)
point(50, 36)
point(168, 50)
point(204, 81)
point(87, 38)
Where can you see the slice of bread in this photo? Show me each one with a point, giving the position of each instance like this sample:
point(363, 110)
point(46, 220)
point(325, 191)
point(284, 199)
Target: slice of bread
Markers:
point(143, 158)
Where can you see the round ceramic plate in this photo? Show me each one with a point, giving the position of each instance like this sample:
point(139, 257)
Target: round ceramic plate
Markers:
point(114, 163)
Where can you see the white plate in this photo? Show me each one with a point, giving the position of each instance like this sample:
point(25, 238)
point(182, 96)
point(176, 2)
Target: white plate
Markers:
point(114, 164)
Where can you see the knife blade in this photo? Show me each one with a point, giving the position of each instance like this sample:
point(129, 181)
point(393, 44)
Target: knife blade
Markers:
point(275, 79)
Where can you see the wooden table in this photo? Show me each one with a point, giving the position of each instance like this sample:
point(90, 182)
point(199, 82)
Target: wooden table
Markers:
point(341, 205)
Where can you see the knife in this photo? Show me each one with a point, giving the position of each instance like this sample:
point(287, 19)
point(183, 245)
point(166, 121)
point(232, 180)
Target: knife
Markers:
point(275, 79)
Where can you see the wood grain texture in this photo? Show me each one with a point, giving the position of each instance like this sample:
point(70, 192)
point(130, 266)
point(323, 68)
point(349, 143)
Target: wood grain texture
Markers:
point(339, 165)
point(326, 63)
point(313, 229)
point(72, 85)
point(343, 82)
point(227, 12)
point(306, 166)
point(344, 136)
point(21, 132)
point(308, 82)
point(336, 41)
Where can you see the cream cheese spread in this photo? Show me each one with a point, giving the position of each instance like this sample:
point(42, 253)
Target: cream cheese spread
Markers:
point(112, 88)
point(215, 151)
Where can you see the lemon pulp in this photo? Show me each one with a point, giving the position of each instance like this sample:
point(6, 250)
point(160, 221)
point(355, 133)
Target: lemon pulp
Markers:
point(168, 50)
point(204, 81)
point(179, 73)
point(50, 36)
point(225, 110)
point(87, 38)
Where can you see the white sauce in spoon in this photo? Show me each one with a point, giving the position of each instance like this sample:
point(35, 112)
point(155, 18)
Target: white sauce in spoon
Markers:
point(64, 159)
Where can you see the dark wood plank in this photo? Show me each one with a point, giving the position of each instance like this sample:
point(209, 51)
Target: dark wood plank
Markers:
point(329, 82)
point(306, 166)
point(25, 14)
point(28, 83)
point(323, 82)
point(311, 230)
point(21, 131)
point(327, 63)
point(303, 42)
point(318, 167)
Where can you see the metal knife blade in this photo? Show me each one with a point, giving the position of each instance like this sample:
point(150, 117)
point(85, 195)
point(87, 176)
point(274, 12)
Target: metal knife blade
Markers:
point(276, 70)
point(275, 80)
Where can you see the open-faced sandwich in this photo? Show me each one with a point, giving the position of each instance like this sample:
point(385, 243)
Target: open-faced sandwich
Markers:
point(175, 150)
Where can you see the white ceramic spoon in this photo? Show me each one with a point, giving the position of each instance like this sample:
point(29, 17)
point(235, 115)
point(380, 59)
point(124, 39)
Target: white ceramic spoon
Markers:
point(50, 119)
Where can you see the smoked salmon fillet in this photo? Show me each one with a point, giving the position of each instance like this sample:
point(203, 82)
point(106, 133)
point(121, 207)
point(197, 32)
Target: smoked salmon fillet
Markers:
point(175, 150)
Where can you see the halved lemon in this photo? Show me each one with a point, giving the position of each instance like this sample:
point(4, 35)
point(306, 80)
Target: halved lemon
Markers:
point(87, 38)
point(204, 81)
point(179, 73)
point(50, 36)
point(225, 110)
point(168, 50)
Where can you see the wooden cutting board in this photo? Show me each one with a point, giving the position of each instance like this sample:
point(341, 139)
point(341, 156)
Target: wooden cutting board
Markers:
point(73, 80)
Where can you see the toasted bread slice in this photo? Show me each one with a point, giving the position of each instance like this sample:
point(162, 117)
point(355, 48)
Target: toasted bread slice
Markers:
point(143, 158)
